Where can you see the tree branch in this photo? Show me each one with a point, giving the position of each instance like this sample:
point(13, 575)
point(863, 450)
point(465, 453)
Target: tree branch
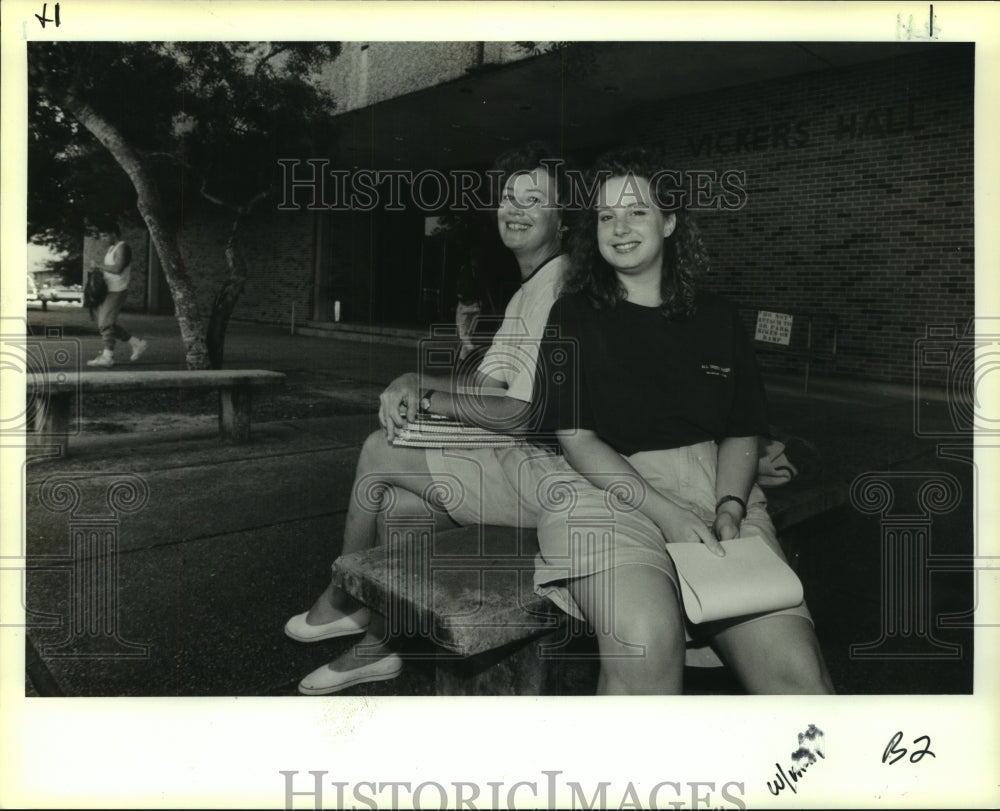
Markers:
point(169, 155)
point(275, 50)
point(203, 190)
point(212, 199)
point(251, 204)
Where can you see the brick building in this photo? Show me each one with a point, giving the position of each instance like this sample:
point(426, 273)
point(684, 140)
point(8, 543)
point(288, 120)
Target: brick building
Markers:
point(856, 159)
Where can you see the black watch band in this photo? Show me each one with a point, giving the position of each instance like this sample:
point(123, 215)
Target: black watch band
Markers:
point(737, 499)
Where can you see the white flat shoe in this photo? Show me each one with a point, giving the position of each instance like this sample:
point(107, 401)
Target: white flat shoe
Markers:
point(355, 623)
point(325, 680)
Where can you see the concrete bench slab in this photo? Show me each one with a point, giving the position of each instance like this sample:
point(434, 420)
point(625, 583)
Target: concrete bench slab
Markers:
point(468, 590)
point(52, 396)
point(127, 380)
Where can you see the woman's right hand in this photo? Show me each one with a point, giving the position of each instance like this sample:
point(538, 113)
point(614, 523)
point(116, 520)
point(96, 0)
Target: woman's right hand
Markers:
point(680, 525)
point(585, 450)
point(398, 404)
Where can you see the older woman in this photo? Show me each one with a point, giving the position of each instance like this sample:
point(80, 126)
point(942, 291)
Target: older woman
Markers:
point(662, 432)
point(498, 397)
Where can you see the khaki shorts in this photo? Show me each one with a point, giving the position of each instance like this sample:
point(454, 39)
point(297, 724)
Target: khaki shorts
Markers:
point(583, 531)
point(491, 485)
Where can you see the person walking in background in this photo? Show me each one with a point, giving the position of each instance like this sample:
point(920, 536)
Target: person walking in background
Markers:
point(117, 270)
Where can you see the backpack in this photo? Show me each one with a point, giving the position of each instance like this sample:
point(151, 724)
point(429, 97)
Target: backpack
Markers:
point(94, 291)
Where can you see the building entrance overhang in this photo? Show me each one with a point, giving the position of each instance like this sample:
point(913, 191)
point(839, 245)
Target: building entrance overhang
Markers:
point(578, 99)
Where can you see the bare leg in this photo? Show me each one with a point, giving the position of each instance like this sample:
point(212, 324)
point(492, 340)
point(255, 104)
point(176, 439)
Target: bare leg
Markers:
point(636, 616)
point(404, 504)
point(375, 643)
point(387, 478)
point(775, 656)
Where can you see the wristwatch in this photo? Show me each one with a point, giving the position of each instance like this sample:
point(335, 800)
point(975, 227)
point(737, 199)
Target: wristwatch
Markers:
point(425, 401)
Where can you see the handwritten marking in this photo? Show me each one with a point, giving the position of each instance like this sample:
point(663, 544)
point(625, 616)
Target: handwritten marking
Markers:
point(44, 17)
point(812, 744)
point(906, 30)
point(893, 748)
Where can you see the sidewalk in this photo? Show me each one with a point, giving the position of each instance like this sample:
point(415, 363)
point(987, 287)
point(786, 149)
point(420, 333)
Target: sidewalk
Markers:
point(220, 544)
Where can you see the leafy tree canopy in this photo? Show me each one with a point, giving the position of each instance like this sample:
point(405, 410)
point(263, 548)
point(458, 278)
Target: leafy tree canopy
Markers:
point(207, 117)
point(170, 120)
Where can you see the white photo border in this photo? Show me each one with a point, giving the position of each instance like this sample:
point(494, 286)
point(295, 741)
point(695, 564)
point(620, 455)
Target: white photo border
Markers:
point(230, 752)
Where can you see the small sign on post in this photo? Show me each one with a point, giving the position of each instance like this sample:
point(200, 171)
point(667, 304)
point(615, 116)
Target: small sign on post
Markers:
point(774, 328)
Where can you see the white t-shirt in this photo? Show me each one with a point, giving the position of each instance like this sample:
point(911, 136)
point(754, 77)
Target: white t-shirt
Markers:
point(513, 355)
point(116, 281)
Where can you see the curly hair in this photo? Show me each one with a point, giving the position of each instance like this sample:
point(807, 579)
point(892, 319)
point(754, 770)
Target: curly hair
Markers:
point(685, 259)
point(530, 156)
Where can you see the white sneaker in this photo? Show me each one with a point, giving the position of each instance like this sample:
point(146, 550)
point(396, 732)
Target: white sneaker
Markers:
point(138, 347)
point(105, 359)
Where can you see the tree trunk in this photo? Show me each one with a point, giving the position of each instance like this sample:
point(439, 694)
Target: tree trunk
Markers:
point(164, 236)
point(225, 300)
point(232, 287)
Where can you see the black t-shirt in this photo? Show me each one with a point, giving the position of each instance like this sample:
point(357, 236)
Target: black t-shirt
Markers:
point(642, 382)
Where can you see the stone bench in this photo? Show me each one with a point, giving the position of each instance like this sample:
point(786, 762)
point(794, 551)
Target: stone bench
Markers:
point(469, 592)
point(52, 396)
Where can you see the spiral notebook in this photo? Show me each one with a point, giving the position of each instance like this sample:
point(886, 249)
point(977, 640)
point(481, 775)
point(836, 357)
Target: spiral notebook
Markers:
point(750, 579)
point(432, 431)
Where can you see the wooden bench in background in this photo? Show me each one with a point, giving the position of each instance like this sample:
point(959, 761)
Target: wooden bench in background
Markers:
point(805, 337)
point(52, 396)
point(469, 593)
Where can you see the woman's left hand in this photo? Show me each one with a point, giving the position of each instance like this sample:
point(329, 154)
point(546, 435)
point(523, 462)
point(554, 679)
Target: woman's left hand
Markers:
point(726, 526)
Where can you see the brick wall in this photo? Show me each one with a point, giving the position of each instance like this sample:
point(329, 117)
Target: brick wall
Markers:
point(278, 247)
point(859, 198)
point(138, 240)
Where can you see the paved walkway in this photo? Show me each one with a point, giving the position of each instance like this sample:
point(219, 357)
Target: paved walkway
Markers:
point(215, 545)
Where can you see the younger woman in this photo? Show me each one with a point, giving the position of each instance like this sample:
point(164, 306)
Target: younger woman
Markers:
point(660, 428)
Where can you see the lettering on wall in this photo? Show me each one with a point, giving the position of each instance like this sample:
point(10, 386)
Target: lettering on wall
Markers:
point(879, 122)
point(758, 138)
point(789, 133)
